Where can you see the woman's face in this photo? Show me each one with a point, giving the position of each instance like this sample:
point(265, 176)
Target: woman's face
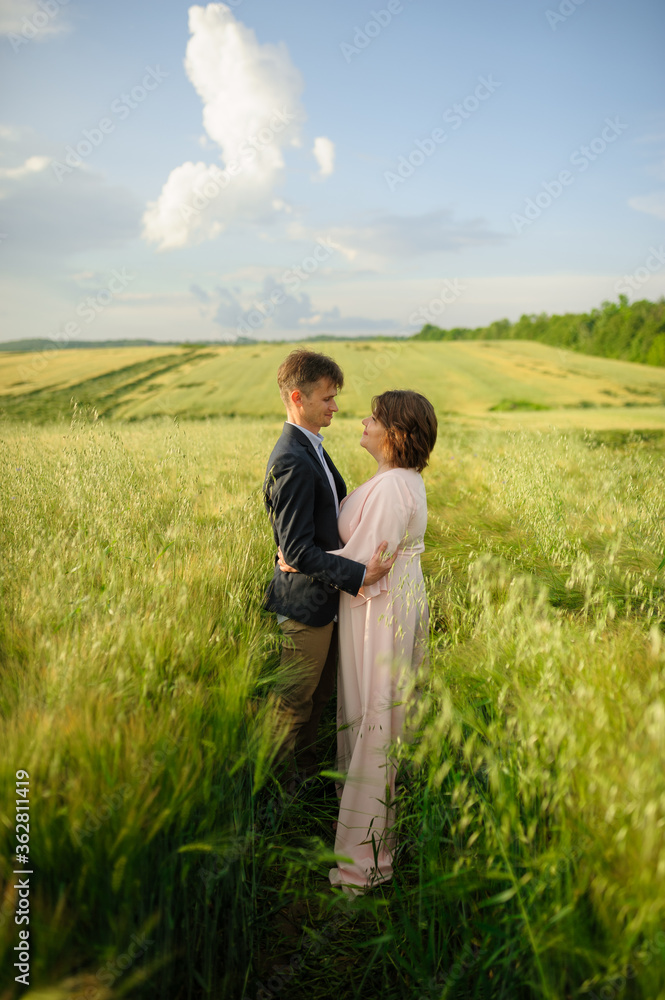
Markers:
point(373, 437)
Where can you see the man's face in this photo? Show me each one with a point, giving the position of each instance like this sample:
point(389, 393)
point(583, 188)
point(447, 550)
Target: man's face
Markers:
point(315, 410)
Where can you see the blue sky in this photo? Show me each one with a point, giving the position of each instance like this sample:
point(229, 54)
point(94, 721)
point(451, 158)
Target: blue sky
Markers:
point(289, 170)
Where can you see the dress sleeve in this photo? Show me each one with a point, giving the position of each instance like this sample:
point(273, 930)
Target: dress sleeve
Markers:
point(385, 516)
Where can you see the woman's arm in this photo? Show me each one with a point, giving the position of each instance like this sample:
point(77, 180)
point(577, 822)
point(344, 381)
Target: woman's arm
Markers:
point(385, 514)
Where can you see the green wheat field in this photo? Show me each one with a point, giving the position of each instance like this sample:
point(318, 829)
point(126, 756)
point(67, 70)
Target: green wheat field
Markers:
point(137, 672)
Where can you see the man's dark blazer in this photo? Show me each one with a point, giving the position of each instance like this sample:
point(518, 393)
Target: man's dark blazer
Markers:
point(301, 508)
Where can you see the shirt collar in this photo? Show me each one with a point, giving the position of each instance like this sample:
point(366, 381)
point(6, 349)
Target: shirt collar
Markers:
point(316, 439)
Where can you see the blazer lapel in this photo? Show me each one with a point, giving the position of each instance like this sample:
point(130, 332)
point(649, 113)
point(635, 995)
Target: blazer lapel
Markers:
point(295, 435)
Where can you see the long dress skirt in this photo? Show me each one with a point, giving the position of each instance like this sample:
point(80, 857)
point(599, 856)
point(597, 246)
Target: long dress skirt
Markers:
point(383, 639)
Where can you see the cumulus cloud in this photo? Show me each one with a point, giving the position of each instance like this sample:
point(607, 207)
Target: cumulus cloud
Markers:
point(652, 204)
point(284, 311)
point(279, 309)
point(324, 154)
point(251, 112)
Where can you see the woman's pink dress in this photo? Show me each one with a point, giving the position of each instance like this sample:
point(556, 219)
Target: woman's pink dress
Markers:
point(383, 634)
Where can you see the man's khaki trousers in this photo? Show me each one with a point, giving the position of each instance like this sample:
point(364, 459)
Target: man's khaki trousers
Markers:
point(308, 668)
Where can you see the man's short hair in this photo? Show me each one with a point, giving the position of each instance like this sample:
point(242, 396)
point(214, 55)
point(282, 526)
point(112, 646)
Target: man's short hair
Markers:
point(303, 369)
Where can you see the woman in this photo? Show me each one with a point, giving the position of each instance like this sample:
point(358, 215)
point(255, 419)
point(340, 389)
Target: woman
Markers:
point(382, 631)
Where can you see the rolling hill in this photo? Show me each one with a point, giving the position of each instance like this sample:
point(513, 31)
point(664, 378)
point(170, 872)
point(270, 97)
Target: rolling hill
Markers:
point(503, 381)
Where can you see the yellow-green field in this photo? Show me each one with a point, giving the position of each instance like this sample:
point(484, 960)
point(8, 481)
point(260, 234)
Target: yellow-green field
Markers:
point(138, 670)
point(34, 371)
point(470, 379)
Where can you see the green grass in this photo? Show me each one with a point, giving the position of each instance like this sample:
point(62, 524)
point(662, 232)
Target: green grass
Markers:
point(136, 673)
point(507, 405)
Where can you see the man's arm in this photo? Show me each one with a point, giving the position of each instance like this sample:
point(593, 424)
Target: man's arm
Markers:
point(290, 496)
point(377, 567)
point(290, 499)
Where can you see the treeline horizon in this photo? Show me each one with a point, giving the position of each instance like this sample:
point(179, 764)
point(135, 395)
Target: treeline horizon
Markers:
point(620, 330)
point(624, 331)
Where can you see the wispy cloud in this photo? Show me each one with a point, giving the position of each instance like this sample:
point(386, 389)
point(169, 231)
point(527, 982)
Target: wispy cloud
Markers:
point(393, 237)
point(652, 204)
point(25, 20)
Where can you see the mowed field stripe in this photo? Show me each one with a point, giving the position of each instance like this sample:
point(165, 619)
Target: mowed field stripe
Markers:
point(467, 378)
point(58, 368)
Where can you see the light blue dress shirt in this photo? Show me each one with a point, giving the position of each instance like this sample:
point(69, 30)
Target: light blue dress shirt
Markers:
point(317, 441)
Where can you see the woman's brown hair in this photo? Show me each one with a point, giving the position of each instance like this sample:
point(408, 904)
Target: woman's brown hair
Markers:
point(411, 427)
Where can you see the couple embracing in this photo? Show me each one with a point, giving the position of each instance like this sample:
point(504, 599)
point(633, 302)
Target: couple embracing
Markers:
point(348, 587)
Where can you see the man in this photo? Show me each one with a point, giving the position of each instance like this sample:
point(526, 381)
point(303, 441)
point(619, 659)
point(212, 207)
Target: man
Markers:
point(302, 493)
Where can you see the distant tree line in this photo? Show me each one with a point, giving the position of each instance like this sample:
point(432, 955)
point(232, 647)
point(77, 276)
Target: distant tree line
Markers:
point(617, 330)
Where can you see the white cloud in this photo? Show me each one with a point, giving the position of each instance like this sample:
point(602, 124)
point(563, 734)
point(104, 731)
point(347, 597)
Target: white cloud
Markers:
point(28, 19)
point(652, 204)
point(409, 235)
point(10, 133)
point(251, 112)
point(33, 165)
point(385, 238)
point(324, 154)
point(276, 310)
